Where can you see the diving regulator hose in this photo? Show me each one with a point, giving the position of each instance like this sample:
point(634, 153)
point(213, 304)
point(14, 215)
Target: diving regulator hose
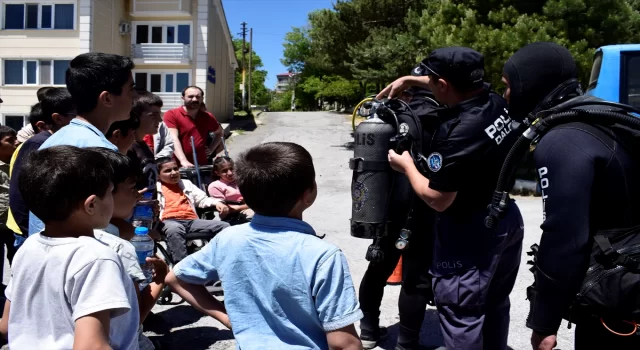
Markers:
point(538, 128)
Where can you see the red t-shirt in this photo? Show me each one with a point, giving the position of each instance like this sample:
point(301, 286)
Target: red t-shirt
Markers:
point(199, 128)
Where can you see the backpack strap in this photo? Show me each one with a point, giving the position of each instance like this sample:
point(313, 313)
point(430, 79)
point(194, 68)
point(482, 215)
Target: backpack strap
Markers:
point(615, 258)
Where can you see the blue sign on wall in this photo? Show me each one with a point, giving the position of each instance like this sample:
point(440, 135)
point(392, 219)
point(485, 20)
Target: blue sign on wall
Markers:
point(211, 75)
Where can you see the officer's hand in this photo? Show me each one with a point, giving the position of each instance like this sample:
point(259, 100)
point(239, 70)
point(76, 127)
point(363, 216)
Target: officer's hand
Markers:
point(398, 162)
point(542, 342)
point(394, 89)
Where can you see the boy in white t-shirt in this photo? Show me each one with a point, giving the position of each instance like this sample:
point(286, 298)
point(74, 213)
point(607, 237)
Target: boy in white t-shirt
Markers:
point(69, 290)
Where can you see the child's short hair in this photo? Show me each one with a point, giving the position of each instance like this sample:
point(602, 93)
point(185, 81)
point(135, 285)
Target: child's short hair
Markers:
point(144, 100)
point(6, 131)
point(55, 181)
point(273, 176)
point(124, 168)
point(36, 116)
point(41, 91)
point(56, 100)
point(125, 126)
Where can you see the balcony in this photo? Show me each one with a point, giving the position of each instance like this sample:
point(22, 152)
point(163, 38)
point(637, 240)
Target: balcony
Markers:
point(161, 8)
point(170, 100)
point(161, 53)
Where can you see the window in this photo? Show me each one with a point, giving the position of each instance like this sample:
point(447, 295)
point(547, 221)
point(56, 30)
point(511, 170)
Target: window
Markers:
point(35, 72)
point(39, 16)
point(595, 72)
point(162, 82)
point(163, 34)
point(630, 79)
point(16, 122)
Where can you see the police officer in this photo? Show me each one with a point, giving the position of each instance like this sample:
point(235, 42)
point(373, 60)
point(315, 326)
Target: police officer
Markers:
point(415, 293)
point(589, 182)
point(474, 269)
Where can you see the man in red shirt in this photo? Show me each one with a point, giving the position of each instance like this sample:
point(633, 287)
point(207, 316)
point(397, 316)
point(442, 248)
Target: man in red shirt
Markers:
point(191, 120)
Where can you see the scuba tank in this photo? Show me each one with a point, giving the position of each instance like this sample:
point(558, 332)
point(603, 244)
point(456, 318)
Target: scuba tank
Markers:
point(371, 177)
point(381, 197)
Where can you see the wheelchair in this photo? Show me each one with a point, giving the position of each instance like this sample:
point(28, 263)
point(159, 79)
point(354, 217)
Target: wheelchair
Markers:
point(195, 241)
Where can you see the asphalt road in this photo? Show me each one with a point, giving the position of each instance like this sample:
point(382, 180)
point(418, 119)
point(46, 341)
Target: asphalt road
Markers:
point(327, 137)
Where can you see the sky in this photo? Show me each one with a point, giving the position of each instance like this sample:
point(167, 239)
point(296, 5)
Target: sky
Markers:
point(270, 20)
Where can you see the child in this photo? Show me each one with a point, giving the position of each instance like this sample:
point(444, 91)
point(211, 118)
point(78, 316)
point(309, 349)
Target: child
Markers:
point(284, 287)
point(8, 143)
point(69, 290)
point(226, 189)
point(125, 196)
point(178, 201)
point(122, 133)
point(54, 111)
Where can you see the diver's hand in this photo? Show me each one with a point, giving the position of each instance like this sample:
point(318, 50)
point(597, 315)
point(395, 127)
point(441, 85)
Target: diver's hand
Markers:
point(396, 88)
point(400, 163)
point(543, 342)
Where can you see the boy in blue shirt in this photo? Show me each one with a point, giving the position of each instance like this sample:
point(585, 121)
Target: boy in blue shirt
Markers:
point(284, 287)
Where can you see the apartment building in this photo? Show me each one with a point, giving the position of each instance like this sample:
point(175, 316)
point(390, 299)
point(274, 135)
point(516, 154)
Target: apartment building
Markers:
point(284, 80)
point(173, 43)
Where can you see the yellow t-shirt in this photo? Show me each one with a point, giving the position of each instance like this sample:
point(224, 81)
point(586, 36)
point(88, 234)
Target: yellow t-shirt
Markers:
point(11, 222)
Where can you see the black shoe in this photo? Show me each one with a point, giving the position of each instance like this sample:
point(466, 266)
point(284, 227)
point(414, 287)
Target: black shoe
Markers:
point(371, 339)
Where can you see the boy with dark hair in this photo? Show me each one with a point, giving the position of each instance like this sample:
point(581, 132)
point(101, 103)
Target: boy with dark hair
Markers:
point(75, 283)
point(122, 133)
point(125, 175)
point(102, 89)
point(292, 289)
point(55, 111)
point(146, 107)
point(8, 144)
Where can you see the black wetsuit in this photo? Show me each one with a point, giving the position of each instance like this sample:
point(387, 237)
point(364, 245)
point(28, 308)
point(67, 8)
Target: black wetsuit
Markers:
point(590, 182)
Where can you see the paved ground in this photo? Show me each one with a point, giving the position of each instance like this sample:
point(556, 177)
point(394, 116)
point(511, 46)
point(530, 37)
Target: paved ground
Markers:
point(327, 137)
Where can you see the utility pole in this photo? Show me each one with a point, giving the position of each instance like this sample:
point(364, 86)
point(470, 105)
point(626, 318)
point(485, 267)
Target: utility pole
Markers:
point(250, 61)
point(244, 50)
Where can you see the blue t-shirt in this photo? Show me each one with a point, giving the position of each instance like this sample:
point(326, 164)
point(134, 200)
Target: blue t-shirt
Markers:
point(78, 133)
point(284, 287)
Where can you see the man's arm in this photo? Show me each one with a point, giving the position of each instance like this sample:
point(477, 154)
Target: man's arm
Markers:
point(92, 331)
point(344, 338)
point(566, 174)
point(178, 151)
point(437, 200)
point(396, 88)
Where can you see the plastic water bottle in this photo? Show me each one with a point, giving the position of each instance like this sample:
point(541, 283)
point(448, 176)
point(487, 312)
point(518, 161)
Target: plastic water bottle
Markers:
point(143, 212)
point(144, 249)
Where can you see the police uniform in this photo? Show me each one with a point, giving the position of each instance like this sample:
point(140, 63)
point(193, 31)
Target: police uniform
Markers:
point(473, 268)
point(416, 286)
point(589, 182)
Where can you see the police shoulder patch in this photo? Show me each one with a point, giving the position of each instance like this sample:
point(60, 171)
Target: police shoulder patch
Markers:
point(434, 161)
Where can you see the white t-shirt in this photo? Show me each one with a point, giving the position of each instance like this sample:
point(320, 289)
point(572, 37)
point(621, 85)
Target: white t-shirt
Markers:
point(125, 250)
point(55, 281)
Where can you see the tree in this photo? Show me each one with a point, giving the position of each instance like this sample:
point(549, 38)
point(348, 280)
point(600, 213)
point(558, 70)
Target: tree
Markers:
point(259, 93)
point(372, 42)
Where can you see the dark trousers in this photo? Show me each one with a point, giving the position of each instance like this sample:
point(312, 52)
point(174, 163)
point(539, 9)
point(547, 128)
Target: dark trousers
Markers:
point(591, 334)
point(416, 285)
point(178, 231)
point(473, 303)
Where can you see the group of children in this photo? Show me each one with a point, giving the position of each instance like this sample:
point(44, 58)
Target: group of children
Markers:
point(76, 283)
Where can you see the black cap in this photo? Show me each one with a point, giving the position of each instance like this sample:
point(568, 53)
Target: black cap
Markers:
point(463, 66)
